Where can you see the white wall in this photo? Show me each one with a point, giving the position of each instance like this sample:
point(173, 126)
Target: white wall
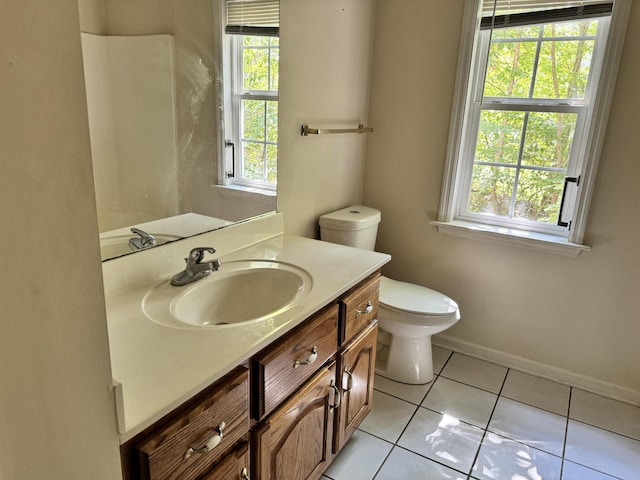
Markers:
point(57, 415)
point(324, 82)
point(538, 310)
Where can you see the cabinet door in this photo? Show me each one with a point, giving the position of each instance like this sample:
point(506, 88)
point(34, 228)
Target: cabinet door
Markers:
point(356, 370)
point(295, 442)
point(235, 466)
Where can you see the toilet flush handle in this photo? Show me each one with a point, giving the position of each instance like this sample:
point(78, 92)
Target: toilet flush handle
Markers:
point(368, 309)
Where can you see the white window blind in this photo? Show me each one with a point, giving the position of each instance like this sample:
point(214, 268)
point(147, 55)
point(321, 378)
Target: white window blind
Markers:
point(513, 13)
point(253, 17)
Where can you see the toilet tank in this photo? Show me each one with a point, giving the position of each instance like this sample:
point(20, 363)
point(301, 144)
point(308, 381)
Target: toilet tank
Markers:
point(355, 226)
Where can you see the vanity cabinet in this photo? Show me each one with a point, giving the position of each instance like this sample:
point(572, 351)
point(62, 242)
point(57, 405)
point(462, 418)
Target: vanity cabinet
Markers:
point(285, 417)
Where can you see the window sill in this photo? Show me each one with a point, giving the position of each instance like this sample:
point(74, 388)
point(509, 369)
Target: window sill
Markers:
point(240, 190)
point(512, 237)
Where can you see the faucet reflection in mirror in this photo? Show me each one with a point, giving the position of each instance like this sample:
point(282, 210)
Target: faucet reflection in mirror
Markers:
point(153, 90)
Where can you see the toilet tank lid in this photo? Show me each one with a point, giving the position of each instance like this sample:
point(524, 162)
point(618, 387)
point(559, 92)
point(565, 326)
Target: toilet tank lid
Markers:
point(416, 299)
point(355, 217)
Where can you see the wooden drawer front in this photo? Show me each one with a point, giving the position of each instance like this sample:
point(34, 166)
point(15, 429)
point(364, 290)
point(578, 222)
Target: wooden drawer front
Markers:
point(360, 308)
point(276, 372)
point(162, 454)
point(295, 442)
point(234, 466)
point(356, 372)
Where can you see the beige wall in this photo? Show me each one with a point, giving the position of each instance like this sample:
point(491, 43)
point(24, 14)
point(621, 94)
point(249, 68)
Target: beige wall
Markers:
point(542, 311)
point(577, 314)
point(324, 82)
point(57, 415)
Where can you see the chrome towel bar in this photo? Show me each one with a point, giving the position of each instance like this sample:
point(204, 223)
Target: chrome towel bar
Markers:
point(305, 131)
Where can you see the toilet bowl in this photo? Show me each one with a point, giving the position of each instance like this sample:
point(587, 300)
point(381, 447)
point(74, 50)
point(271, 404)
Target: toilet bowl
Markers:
point(409, 314)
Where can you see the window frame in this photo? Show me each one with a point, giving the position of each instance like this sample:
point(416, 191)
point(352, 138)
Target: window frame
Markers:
point(228, 72)
point(458, 164)
point(237, 93)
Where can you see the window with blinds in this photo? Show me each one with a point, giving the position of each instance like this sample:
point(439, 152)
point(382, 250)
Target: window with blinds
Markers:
point(506, 13)
point(252, 48)
point(533, 104)
point(253, 17)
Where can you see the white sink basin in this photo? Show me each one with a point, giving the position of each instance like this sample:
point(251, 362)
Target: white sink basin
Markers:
point(239, 293)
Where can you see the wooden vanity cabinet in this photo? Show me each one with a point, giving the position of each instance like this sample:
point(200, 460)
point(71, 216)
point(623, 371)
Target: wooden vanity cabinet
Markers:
point(305, 395)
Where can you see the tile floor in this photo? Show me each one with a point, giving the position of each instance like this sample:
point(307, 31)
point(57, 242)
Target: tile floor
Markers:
point(481, 421)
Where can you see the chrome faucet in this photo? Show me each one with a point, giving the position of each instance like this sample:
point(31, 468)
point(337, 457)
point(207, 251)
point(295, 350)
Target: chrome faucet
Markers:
point(196, 268)
point(142, 241)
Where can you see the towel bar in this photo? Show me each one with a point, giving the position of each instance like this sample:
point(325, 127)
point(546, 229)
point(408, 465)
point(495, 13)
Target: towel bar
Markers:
point(305, 131)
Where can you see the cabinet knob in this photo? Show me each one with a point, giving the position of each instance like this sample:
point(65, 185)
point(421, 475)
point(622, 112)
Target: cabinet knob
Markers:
point(309, 360)
point(212, 443)
point(244, 475)
point(368, 309)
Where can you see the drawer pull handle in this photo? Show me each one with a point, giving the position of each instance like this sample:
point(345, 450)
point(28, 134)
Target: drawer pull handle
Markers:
point(244, 475)
point(312, 358)
point(337, 398)
point(368, 309)
point(349, 379)
point(210, 445)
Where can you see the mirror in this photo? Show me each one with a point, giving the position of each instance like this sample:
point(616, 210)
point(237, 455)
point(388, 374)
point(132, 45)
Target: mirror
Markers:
point(154, 97)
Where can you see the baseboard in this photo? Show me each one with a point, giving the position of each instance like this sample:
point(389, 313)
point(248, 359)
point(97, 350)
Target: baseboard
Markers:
point(549, 372)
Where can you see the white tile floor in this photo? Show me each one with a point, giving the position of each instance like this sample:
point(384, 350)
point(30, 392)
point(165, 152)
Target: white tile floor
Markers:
point(481, 421)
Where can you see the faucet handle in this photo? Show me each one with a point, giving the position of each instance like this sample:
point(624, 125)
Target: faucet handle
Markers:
point(196, 255)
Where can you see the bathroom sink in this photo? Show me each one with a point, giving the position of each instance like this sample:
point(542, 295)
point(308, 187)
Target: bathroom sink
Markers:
point(115, 245)
point(240, 292)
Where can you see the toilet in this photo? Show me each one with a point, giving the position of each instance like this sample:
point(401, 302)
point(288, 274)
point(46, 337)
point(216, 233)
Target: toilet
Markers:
point(409, 314)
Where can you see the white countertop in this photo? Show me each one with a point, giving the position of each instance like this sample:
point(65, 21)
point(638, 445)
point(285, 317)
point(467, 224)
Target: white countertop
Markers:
point(156, 368)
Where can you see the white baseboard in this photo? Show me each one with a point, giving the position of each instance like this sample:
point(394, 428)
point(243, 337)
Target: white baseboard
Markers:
point(549, 372)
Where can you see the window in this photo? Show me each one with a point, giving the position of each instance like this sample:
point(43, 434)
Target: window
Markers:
point(530, 116)
point(251, 93)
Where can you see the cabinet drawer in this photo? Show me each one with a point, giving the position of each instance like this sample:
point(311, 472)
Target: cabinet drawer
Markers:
point(163, 454)
point(360, 307)
point(234, 466)
point(281, 369)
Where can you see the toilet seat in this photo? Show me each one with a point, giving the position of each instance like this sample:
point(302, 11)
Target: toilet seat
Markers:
point(415, 299)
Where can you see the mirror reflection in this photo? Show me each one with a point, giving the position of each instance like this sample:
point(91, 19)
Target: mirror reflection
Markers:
point(182, 117)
